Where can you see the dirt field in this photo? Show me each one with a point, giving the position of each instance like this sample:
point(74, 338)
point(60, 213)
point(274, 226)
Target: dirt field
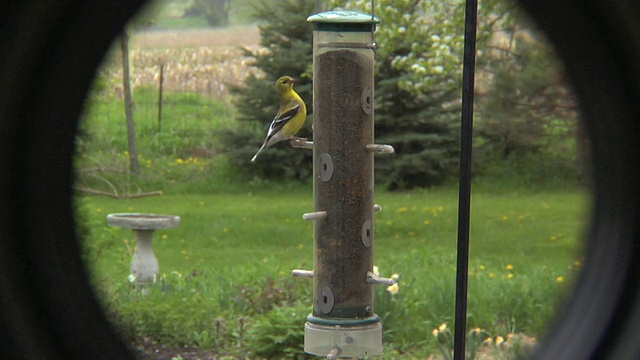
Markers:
point(245, 35)
point(204, 61)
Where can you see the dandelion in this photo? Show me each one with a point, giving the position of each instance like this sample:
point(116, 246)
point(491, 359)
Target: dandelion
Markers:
point(442, 327)
point(180, 161)
point(499, 340)
point(487, 341)
point(509, 266)
point(403, 209)
point(393, 289)
point(553, 238)
point(510, 276)
point(164, 236)
point(492, 275)
point(482, 267)
point(300, 246)
point(560, 279)
point(427, 222)
point(504, 218)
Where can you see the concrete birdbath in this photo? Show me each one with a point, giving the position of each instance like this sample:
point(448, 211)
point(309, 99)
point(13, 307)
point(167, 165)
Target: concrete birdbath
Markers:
point(144, 265)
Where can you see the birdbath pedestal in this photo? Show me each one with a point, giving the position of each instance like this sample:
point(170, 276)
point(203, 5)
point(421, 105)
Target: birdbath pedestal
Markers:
point(144, 265)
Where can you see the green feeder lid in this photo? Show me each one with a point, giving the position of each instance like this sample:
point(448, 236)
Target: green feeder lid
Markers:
point(343, 20)
point(343, 17)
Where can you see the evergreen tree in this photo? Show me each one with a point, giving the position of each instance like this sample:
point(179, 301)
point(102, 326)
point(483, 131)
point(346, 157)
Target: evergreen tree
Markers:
point(418, 74)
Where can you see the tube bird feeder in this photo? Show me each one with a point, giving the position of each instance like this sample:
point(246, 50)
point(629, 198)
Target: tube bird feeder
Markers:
point(343, 322)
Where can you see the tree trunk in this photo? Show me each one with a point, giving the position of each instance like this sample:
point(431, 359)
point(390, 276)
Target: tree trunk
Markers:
point(128, 105)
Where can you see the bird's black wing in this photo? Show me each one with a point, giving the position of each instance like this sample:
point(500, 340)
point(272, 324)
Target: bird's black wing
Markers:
point(281, 119)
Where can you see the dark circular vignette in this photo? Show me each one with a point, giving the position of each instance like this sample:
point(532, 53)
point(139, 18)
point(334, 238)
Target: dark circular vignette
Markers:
point(49, 51)
point(599, 44)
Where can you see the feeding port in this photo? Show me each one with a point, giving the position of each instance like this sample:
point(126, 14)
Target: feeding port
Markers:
point(343, 322)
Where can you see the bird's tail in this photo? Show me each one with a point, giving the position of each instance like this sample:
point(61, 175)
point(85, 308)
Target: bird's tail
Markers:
point(253, 159)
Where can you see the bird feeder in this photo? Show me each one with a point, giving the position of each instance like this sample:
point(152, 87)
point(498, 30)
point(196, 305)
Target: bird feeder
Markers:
point(343, 322)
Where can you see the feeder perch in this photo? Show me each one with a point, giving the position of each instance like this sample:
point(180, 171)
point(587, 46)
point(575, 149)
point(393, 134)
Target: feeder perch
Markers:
point(144, 265)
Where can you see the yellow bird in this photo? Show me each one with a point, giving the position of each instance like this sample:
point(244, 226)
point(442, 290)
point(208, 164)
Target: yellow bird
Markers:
point(291, 115)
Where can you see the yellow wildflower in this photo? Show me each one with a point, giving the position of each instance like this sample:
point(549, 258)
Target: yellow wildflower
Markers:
point(509, 267)
point(560, 279)
point(393, 289)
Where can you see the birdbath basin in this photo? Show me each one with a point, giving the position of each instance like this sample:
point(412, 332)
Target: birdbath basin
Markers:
point(144, 264)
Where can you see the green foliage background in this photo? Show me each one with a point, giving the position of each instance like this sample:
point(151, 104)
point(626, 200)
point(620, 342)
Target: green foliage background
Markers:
point(523, 110)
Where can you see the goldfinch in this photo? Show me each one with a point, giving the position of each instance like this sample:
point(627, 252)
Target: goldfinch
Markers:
point(291, 115)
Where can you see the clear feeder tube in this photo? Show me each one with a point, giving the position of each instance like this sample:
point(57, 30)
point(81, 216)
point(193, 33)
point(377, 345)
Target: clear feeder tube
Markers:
point(343, 323)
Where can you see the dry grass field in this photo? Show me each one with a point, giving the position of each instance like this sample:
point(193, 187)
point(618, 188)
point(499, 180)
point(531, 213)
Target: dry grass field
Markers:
point(205, 61)
point(240, 35)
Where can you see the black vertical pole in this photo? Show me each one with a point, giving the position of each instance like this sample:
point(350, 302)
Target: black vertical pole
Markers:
point(464, 197)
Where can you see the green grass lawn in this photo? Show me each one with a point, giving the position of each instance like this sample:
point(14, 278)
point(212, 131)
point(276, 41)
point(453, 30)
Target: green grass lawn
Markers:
point(525, 251)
